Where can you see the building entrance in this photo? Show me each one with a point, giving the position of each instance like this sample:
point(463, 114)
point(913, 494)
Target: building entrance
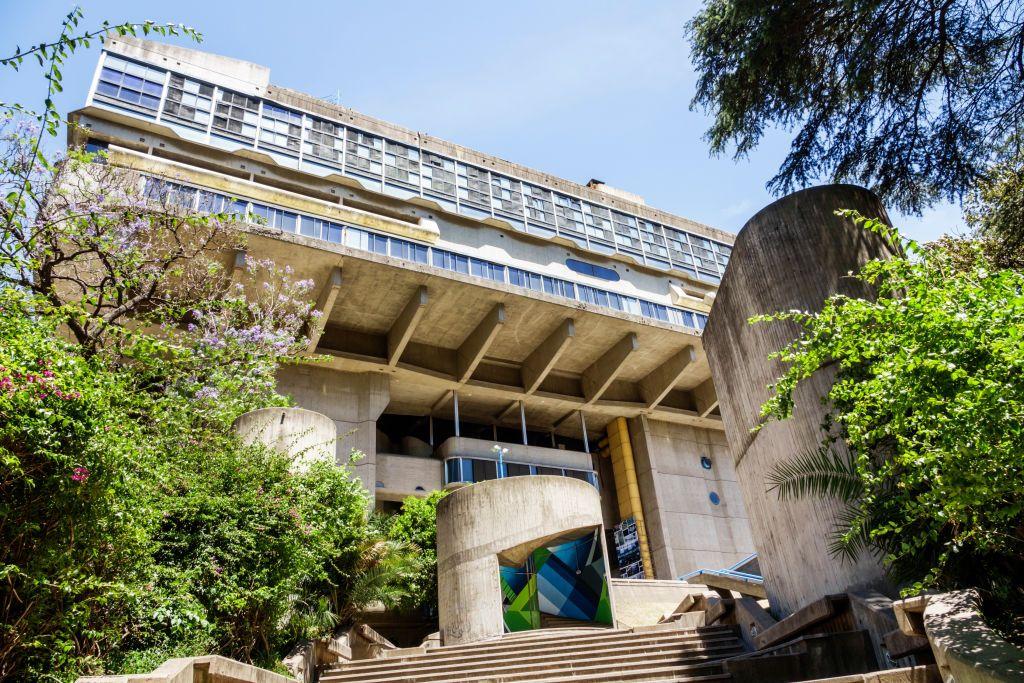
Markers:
point(560, 582)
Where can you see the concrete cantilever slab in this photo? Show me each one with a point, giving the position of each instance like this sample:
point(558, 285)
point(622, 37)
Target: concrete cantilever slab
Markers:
point(507, 517)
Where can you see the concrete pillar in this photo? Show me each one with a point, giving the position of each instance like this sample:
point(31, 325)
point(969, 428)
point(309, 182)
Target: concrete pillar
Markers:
point(303, 435)
point(353, 401)
point(686, 529)
point(791, 255)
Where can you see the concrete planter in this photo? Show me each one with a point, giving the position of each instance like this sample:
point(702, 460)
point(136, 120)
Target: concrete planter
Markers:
point(966, 649)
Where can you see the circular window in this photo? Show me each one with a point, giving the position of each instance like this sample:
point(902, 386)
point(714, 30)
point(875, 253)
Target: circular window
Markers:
point(705, 462)
point(715, 500)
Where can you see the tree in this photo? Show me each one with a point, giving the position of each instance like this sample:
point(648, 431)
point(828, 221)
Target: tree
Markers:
point(912, 99)
point(84, 236)
point(134, 524)
point(929, 397)
point(994, 209)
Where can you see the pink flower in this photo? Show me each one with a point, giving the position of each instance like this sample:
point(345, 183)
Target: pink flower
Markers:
point(80, 475)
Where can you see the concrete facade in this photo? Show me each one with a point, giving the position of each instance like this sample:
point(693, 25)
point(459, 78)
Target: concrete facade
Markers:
point(454, 287)
point(508, 518)
point(686, 529)
point(352, 401)
point(774, 257)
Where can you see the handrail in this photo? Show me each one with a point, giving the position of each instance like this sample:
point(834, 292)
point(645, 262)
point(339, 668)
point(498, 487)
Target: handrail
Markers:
point(724, 572)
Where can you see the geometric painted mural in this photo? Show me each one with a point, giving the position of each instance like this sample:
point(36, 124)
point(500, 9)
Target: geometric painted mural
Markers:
point(566, 580)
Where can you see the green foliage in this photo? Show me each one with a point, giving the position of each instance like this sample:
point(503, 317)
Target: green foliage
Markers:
point(929, 398)
point(134, 525)
point(416, 525)
point(911, 99)
point(995, 210)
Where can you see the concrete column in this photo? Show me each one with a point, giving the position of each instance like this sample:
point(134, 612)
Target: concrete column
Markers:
point(791, 255)
point(685, 528)
point(303, 435)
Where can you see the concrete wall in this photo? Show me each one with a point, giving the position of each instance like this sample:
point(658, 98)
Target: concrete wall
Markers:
point(401, 474)
point(353, 400)
point(643, 602)
point(686, 531)
point(535, 455)
point(304, 435)
point(509, 516)
point(791, 255)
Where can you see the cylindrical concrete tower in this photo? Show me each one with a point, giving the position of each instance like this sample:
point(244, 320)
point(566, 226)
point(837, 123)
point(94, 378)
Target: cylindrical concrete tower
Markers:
point(503, 517)
point(304, 435)
point(792, 254)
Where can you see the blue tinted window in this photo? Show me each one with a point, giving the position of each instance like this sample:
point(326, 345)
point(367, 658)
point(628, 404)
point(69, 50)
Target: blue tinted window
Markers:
point(310, 227)
point(652, 310)
point(559, 287)
point(378, 244)
point(408, 251)
point(450, 261)
point(286, 220)
point(592, 270)
point(486, 269)
point(333, 233)
point(130, 82)
point(522, 278)
point(453, 472)
point(593, 295)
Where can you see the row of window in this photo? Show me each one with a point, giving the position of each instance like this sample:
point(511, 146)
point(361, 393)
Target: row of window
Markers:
point(471, 470)
point(358, 238)
point(406, 171)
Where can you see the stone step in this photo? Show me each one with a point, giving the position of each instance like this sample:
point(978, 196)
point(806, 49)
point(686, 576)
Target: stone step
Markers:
point(566, 649)
point(540, 662)
point(534, 673)
point(551, 639)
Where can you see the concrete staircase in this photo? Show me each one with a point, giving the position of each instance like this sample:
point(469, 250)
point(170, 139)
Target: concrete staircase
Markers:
point(666, 654)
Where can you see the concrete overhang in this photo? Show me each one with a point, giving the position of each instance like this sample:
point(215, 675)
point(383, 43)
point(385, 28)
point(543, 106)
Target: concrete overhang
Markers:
point(375, 295)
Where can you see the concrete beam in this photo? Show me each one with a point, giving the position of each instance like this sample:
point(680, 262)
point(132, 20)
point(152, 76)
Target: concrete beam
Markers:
point(442, 402)
point(403, 327)
point(705, 397)
point(473, 348)
point(324, 304)
point(598, 377)
point(659, 381)
point(508, 410)
point(543, 358)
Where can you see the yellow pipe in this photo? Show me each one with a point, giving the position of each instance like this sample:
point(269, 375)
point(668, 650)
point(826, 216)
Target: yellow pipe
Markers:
point(626, 488)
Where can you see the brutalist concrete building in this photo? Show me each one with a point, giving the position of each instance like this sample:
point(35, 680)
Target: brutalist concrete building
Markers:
point(481, 320)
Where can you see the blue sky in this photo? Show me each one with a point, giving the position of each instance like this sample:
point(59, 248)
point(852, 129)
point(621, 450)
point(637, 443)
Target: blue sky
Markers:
point(577, 89)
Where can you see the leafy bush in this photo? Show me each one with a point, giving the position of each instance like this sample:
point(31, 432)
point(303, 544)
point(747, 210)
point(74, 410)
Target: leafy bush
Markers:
point(929, 398)
point(416, 526)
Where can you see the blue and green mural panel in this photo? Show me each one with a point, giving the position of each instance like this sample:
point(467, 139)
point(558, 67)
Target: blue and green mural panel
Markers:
point(567, 580)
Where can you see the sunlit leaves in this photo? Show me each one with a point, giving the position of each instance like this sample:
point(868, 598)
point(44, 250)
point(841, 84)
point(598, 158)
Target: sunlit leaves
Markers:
point(929, 397)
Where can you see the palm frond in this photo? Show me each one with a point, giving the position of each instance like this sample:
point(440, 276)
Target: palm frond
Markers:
point(850, 537)
point(817, 473)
